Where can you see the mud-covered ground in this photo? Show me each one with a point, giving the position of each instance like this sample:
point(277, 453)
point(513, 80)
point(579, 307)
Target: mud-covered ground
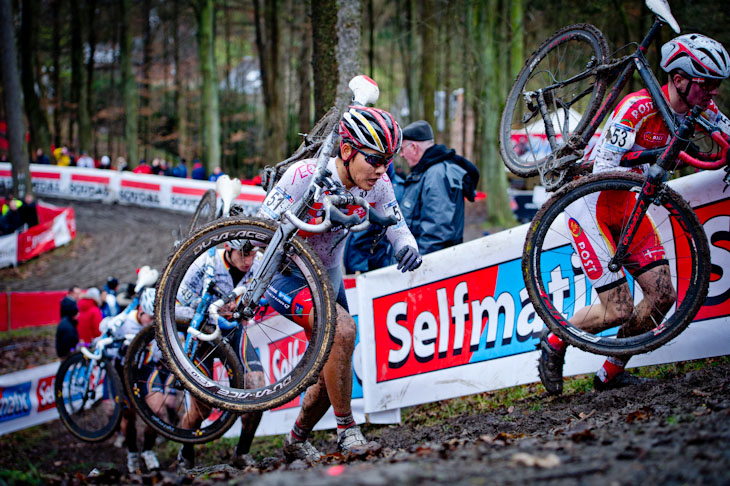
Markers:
point(673, 431)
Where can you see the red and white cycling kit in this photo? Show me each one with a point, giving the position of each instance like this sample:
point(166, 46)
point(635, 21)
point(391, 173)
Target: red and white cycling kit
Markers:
point(595, 222)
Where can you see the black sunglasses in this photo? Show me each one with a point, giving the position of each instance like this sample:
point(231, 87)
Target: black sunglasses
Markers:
point(374, 159)
point(707, 84)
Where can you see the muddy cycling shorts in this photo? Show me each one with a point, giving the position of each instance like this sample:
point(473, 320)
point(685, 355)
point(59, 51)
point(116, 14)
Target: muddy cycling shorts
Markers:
point(289, 294)
point(595, 223)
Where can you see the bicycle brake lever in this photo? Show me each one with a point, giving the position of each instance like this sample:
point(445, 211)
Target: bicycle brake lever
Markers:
point(377, 240)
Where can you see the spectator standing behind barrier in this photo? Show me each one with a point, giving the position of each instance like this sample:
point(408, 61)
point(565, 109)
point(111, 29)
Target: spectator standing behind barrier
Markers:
point(85, 160)
point(29, 211)
point(198, 171)
point(142, 168)
point(181, 169)
point(122, 164)
point(62, 157)
point(434, 191)
point(106, 162)
point(11, 219)
point(41, 158)
point(67, 337)
point(359, 256)
point(89, 315)
point(217, 172)
point(71, 297)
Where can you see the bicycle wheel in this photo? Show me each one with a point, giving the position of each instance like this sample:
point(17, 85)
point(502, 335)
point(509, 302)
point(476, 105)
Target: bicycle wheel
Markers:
point(291, 358)
point(88, 397)
point(160, 399)
point(556, 276)
point(570, 51)
point(204, 213)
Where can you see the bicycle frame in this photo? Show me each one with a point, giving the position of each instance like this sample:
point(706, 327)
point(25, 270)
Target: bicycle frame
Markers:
point(636, 61)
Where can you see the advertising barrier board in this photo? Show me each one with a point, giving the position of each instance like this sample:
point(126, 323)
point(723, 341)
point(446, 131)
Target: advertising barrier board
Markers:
point(462, 323)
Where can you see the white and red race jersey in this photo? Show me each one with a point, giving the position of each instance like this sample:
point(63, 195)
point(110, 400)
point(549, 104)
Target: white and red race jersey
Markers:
point(294, 184)
point(636, 124)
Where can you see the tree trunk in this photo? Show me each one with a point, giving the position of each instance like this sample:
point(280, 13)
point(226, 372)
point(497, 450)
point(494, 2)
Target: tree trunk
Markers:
point(56, 77)
point(493, 174)
point(144, 92)
point(211, 128)
point(428, 60)
point(78, 76)
point(180, 98)
point(268, 44)
point(12, 97)
point(304, 75)
point(348, 48)
point(410, 56)
point(324, 60)
point(517, 41)
point(371, 39)
point(129, 87)
point(39, 136)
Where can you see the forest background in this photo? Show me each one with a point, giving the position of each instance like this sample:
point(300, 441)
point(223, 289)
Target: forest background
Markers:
point(235, 82)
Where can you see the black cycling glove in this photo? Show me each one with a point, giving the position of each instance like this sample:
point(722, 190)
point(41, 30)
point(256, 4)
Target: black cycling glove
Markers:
point(408, 259)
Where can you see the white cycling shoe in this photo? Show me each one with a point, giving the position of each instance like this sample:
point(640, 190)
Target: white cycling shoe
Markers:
point(150, 460)
point(350, 438)
point(133, 462)
point(301, 450)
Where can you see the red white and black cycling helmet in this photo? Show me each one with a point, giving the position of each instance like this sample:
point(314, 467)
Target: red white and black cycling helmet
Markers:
point(697, 55)
point(373, 128)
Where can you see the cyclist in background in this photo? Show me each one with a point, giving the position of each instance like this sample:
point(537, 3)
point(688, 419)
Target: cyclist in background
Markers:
point(696, 65)
point(370, 137)
point(132, 324)
point(232, 266)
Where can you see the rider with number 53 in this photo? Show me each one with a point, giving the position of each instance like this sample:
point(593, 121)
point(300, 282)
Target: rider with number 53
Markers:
point(370, 137)
point(696, 65)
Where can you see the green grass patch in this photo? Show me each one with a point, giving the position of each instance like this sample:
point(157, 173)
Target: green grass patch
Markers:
point(7, 337)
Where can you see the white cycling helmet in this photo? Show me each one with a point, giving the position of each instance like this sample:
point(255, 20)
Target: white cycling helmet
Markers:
point(697, 55)
point(244, 245)
point(147, 301)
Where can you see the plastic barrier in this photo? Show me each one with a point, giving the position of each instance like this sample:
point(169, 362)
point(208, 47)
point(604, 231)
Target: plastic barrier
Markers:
point(462, 323)
point(56, 227)
point(152, 191)
point(30, 309)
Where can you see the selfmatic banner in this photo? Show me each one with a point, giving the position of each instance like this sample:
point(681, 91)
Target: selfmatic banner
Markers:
point(462, 323)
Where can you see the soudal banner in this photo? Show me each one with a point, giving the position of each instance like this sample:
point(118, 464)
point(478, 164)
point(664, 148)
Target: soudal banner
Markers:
point(153, 191)
point(462, 323)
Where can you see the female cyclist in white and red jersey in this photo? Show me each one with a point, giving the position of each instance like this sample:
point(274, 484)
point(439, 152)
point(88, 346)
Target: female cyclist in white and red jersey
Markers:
point(696, 65)
point(370, 137)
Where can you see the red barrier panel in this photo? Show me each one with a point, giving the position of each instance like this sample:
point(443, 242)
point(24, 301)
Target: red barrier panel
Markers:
point(31, 309)
point(4, 312)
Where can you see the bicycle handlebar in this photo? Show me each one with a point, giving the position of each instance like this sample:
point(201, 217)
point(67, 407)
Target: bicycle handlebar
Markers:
point(720, 159)
point(332, 218)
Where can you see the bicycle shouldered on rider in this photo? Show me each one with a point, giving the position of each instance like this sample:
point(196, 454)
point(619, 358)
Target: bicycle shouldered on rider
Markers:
point(696, 66)
point(370, 137)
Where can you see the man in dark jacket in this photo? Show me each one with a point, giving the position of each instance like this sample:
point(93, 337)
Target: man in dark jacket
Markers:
point(434, 191)
point(66, 334)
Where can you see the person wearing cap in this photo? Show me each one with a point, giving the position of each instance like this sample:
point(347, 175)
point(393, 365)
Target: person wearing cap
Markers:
point(109, 304)
point(434, 191)
point(89, 315)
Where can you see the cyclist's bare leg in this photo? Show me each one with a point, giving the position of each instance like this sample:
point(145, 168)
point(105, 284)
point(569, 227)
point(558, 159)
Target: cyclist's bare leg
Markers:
point(335, 382)
point(659, 296)
point(615, 308)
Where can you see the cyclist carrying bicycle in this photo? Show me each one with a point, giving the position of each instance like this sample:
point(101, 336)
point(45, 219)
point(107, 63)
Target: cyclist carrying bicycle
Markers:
point(231, 267)
point(133, 323)
point(370, 137)
point(696, 66)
